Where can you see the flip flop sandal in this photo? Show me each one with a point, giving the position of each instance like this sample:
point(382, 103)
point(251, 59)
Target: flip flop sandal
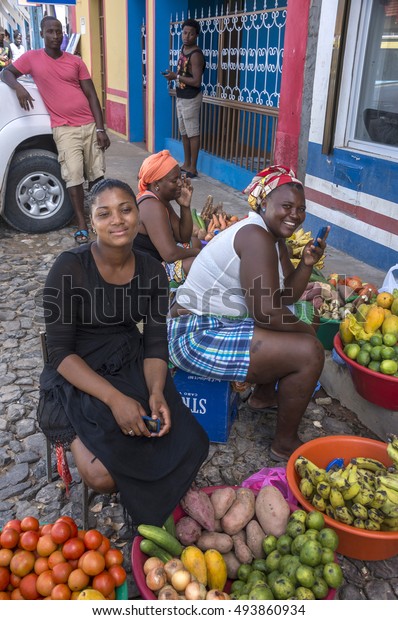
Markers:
point(81, 236)
point(270, 409)
point(190, 175)
point(278, 458)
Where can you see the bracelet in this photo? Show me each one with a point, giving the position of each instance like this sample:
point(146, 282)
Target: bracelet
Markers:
point(100, 130)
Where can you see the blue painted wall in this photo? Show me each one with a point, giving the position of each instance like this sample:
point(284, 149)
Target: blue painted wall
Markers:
point(135, 16)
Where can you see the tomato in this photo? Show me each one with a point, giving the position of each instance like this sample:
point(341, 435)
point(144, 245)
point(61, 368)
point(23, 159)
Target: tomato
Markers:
point(45, 583)
point(30, 523)
point(73, 548)
point(28, 587)
point(5, 596)
point(61, 572)
point(56, 557)
point(14, 581)
point(71, 523)
point(60, 532)
point(41, 564)
point(45, 529)
point(5, 557)
point(113, 556)
point(104, 583)
point(28, 540)
point(45, 545)
point(60, 592)
point(78, 580)
point(9, 538)
point(22, 563)
point(14, 523)
point(105, 545)
point(118, 573)
point(354, 282)
point(4, 578)
point(92, 539)
point(16, 595)
point(93, 563)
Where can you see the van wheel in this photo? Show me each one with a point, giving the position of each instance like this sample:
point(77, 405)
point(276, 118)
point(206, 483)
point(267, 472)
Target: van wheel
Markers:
point(37, 200)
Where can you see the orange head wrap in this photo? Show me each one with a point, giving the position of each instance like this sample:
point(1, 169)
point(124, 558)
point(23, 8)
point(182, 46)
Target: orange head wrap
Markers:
point(154, 168)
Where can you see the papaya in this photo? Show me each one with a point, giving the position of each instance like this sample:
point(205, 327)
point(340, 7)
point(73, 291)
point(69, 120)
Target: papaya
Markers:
point(374, 319)
point(194, 561)
point(216, 570)
point(390, 325)
point(361, 312)
point(345, 333)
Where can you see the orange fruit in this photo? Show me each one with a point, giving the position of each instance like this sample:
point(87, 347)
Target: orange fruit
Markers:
point(384, 300)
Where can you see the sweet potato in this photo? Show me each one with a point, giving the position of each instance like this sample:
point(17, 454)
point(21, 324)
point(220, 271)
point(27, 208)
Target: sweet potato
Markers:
point(188, 531)
point(254, 538)
point(232, 563)
point(217, 526)
point(222, 500)
point(240, 513)
point(272, 510)
point(197, 505)
point(241, 550)
point(215, 540)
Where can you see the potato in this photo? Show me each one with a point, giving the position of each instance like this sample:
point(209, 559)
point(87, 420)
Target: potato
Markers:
point(241, 550)
point(222, 499)
point(197, 505)
point(232, 563)
point(214, 540)
point(240, 513)
point(188, 531)
point(254, 538)
point(272, 510)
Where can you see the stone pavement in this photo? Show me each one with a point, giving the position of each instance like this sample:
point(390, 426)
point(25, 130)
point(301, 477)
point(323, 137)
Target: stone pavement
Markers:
point(24, 263)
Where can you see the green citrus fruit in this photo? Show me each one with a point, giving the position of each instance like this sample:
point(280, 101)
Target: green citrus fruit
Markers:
point(294, 528)
point(366, 347)
point(269, 544)
point(311, 553)
point(390, 339)
point(374, 366)
point(259, 564)
point(286, 560)
point(363, 358)
point(375, 353)
point(284, 543)
point(327, 555)
point(312, 533)
point(244, 571)
point(388, 367)
point(255, 577)
point(272, 561)
point(261, 592)
point(333, 575)
point(376, 340)
point(387, 353)
point(272, 577)
point(304, 594)
point(298, 515)
point(320, 588)
point(328, 538)
point(297, 543)
point(352, 350)
point(237, 585)
point(315, 520)
point(282, 588)
point(305, 576)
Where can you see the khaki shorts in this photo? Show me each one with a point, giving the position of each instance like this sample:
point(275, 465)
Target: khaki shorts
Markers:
point(78, 154)
point(188, 113)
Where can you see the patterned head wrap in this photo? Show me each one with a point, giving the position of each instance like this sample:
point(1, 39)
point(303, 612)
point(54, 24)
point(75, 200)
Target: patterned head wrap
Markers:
point(154, 168)
point(266, 181)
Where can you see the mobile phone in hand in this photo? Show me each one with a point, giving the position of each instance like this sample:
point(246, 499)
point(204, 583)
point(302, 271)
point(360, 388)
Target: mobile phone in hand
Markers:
point(321, 233)
point(153, 425)
point(164, 72)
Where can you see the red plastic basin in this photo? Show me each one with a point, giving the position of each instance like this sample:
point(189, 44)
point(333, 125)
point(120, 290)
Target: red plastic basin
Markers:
point(373, 386)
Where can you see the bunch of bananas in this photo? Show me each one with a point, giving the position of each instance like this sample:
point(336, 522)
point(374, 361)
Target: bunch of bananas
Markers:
point(297, 243)
point(363, 494)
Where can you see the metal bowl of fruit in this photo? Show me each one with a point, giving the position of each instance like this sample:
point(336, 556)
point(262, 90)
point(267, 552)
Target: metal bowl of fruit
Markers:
point(354, 542)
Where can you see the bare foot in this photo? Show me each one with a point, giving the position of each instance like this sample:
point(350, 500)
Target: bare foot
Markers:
point(256, 403)
point(282, 450)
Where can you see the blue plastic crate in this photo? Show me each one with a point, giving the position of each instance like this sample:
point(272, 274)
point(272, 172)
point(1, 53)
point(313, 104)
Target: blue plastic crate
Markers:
point(213, 403)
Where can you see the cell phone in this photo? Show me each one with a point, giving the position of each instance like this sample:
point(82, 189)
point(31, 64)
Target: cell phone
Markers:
point(151, 424)
point(321, 233)
point(164, 72)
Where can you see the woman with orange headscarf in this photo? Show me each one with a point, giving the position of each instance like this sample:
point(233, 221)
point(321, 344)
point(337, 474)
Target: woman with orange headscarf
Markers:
point(162, 233)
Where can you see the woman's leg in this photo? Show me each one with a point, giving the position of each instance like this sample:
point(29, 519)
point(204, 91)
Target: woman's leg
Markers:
point(295, 360)
point(93, 472)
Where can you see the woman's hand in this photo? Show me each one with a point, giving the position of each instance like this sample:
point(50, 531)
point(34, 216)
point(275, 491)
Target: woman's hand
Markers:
point(160, 411)
point(313, 253)
point(185, 197)
point(128, 414)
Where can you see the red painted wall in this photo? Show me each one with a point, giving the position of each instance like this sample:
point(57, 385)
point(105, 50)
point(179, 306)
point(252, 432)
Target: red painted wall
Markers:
point(295, 46)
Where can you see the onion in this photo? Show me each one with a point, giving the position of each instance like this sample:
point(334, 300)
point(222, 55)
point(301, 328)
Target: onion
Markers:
point(172, 566)
point(152, 563)
point(181, 579)
point(167, 593)
point(216, 595)
point(195, 591)
point(156, 578)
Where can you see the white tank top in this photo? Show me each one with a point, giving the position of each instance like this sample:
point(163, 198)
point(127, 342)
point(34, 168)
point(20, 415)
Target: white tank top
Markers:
point(213, 282)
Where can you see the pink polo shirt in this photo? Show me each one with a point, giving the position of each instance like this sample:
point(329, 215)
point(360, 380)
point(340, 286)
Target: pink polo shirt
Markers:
point(58, 81)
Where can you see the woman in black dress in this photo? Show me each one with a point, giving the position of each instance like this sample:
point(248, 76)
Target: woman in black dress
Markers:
point(104, 375)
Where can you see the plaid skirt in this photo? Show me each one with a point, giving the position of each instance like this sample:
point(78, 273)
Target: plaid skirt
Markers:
point(211, 346)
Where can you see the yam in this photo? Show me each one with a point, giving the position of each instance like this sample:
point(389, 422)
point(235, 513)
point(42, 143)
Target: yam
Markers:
point(272, 510)
point(188, 531)
point(197, 504)
point(215, 540)
point(222, 500)
point(240, 513)
point(232, 563)
point(241, 550)
point(254, 538)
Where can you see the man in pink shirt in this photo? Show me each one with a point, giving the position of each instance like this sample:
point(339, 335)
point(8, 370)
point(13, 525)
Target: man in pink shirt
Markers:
point(76, 117)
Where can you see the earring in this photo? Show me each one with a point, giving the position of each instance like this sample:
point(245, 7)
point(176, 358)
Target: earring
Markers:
point(157, 188)
point(263, 209)
point(94, 231)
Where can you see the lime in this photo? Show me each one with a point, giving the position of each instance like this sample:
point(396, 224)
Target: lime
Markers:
point(318, 571)
point(375, 353)
point(333, 575)
point(352, 350)
point(272, 561)
point(388, 367)
point(305, 576)
point(286, 560)
point(374, 366)
point(291, 569)
point(297, 543)
point(272, 577)
point(261, 592)
point(328, 538)
point(255, 577)
point(304, 594)
point(312, 533)
point(237, 585)
point(259, 564)
point(320, 588)
point(244, 571)
point(269, 544)
point(390, 339)
point(298, 515)
point(376, 340)
point(315, 520)
point(366, 347)
point(387, 353)
point(284, 543)
point(295, 528)
point(363, 358)
point(327, 556)
point(282, 588)
point(311, 553)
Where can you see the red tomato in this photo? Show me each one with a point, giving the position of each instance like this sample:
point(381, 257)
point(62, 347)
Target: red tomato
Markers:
point(354, 282)
point(9, 538)
point(14, 523)
point(104, 583)
point(41, 564)
point(16, 595)
point(113, 556)
point(5, 596)
point(22, 563)
point(73, 548)
point(118, 573)
point(78, 580)
point(105, 545)
point(28, 587)
point(61, 572)
point(4, 578)
point(60, 592)
point(45, 583)
point(93, 563)
point(28, 540)
point(30, 523)
point(56, 557)
point(45, 545)
point(45, 529)
point(71, 523)
point(61, 532)
point(92, 539)
point(5, 557)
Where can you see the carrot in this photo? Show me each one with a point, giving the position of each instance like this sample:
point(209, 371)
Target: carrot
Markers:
point(216, 221)
point(210, 227)
point(222, 221)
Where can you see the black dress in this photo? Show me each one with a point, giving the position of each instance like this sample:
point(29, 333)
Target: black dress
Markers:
point(98, 321)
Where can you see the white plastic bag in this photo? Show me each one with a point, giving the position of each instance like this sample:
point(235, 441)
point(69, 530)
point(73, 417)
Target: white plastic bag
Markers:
point(390, 281)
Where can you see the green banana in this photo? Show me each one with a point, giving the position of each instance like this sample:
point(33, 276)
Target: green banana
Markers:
point(353, 473)
point(306, 488)
point(360, 523)
point(387, 528)
point(330, 511)
point(364, 497)
point(393, 440)
point(344, 515)
point(336, 499)
point(352, 491)
point(376, 515)
point(300, 465)
point(318, 502)
point(315, 473)
point(371, 525)
point(391, 521)
point(364, 462)
point(390, 481)
point(323, 488)
point(379, 499)
point(391, 493)
point(359, 511)
point(392, 452)
point(338, 481)
point(389, 508)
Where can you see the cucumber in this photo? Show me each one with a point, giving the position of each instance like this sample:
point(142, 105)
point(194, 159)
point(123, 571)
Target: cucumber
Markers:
point(162, 538)
point(150, 548)
point(170, 526)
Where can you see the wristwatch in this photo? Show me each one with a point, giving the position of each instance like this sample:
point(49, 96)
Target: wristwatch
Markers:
point(100, 130)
